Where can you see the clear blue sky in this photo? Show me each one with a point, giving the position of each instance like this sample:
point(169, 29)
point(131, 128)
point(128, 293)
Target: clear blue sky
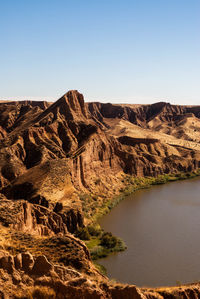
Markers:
point(138, 51)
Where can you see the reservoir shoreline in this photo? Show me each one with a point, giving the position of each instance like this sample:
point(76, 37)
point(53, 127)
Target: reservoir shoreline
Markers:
point(115, 231)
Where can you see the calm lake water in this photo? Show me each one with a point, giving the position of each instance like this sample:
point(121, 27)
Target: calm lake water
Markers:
point(161, 227)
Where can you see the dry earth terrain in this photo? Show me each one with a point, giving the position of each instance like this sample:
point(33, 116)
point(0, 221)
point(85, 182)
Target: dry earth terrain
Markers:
point(61, 165)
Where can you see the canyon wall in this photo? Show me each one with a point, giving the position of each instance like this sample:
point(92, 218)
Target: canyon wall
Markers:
point(60, 163)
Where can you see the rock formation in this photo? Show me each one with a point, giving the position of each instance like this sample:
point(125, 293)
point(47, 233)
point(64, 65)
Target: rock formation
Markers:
point(60, 163)
point(26, 276)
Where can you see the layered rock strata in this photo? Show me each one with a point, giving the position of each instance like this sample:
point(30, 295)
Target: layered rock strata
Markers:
point(60, 163)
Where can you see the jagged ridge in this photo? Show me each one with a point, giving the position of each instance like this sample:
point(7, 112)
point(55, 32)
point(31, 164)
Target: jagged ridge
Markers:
point(60, 163)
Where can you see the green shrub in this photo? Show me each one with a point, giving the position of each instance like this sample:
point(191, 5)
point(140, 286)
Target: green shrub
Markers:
point(94, 230)
point(101, 268)
point(99, 252)
point(108, 240)
point(83, 234)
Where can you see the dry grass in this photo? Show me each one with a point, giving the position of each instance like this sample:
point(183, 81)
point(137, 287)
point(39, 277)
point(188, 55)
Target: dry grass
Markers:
point(57, 249)
point(37, 293)
point(5, 237)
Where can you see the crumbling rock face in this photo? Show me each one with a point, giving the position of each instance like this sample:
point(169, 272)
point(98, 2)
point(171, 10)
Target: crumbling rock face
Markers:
point(36, 219)
point(41, 266)
point(141, 114)
point(80, 137)
point(26, 272)
point(54, 154)
point(60, 163)
point(72, 218)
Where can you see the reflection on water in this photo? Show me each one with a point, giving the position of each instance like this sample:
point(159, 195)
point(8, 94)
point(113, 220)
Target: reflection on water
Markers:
point(161, 229)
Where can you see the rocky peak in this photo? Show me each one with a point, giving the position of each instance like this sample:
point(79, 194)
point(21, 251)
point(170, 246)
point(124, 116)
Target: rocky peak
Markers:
point(69, 110)
point(76, 101)
point(72, 106)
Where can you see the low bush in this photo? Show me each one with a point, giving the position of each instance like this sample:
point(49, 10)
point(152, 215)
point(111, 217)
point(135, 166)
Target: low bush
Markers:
point(94, 230)
point(108, 240)
point(75, 262)
point(98, 252)
point(101, 268)
point(83, 234)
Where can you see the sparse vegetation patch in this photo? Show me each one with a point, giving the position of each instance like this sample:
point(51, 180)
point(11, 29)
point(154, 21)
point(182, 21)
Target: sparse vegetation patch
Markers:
point(100, 243)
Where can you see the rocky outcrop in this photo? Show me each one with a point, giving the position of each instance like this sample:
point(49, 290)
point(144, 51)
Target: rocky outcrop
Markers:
point(141, 114)
point(23, 274)
point(76, 132)
point(38, 220)
point(54, 154)
point(60, 163)
point(187, 291)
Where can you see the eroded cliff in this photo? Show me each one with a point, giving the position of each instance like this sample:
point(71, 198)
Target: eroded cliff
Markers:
point(76, 148)
point(60, 163)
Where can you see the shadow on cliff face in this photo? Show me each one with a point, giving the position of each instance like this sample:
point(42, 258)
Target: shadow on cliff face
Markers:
point(19, 191)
